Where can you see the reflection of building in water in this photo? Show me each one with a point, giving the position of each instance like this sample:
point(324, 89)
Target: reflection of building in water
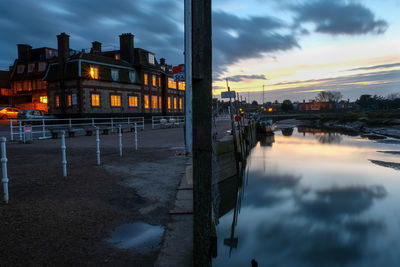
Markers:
point(266, 139)
point(330, 138)
point(287, 131)
point(309, 130)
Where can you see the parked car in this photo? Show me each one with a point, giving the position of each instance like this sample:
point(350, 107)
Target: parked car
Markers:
point(8, 113)
point(30, 114)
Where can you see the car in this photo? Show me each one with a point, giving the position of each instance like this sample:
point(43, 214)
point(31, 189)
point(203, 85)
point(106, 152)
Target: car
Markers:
point(29, 114)
point(8, 113)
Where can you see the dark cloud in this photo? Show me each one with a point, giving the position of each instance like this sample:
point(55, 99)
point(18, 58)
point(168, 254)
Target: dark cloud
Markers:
point(236, 38)
point(384, 66)
point(339, 17)
point(239, 78)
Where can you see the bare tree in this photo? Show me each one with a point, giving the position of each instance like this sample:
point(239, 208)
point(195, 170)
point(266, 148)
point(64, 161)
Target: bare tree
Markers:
point(329, 96)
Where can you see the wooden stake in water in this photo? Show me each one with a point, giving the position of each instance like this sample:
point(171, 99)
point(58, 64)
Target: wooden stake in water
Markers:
point(64, 155)
point(4, 167)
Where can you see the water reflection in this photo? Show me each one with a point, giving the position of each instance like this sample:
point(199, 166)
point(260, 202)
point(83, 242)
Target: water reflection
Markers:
point(330, 138)
point(287, 131)
point(308, 204)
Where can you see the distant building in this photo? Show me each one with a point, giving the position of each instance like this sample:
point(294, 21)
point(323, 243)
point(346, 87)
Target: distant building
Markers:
point(315, 106)
point(5, 86)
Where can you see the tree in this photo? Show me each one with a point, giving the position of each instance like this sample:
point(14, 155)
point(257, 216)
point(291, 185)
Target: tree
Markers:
point(287, 105)
point(329, 96)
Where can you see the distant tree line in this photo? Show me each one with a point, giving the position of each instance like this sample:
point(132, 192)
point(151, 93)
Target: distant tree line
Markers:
point(392, 101)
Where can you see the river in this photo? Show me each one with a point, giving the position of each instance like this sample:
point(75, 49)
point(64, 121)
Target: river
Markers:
point(311, 198)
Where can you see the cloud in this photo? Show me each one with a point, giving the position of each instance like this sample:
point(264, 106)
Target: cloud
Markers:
point(338, 17)
point(236, 38)
point(239, 78)
point(384, 66)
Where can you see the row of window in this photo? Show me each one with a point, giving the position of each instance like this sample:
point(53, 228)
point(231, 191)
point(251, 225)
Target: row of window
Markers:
point(115, 101)
point(171, 82)
point(94, 74)
point(31, 67)
point(28, 85)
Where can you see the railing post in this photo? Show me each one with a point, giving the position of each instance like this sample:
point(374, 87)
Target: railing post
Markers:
point(20, 131)
point(98, 146)
point(120, 140)
point(43, 129)
point(129, 121)
point(135, 136)
point(11, 130)
point(70, 123)
point(4, 167)
point(93, 122)
point(152, 122)
point(64, 155)
point(112, 124)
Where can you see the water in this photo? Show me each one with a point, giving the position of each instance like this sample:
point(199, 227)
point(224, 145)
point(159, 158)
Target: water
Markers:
point(313, 199)
point(140, 236)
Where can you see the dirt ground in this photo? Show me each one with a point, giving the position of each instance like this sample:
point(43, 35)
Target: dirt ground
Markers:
point(64, 221)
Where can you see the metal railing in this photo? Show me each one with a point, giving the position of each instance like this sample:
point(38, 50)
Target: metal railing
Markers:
point(167, 121)
point(225, 117)
point(43, 127)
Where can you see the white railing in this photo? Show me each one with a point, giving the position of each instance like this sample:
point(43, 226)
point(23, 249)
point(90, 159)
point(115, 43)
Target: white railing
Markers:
point(167, 121)
point(226, 117)
point(43, 127)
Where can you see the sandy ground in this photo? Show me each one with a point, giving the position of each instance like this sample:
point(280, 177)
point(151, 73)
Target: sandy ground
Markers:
point(57, 221)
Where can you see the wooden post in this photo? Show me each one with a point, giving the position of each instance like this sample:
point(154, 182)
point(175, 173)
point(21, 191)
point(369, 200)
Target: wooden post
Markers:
point(202, 129)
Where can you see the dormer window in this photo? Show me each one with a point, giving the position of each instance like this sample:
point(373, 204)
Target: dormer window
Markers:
point(20, 68)
point(94, 72)
point(115, 75)
point(31, 67)
point(42, 66)
point(132, 76)
point(151, 59)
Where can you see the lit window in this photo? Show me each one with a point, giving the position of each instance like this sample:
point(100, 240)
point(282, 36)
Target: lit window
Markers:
point(181, 85)
point(115, 75)
point(154, 102)
point(159, 81)
point(115, 100)
point(94, 72)
point(116, 57)
point(132, 76)
point(154, 80)
point(43, 99)
point(69, 100)
point(146, 101)
point(57, 101)
point(145, 81)
point(171, 83)
point(180, 103)
point(133, 101)
point(95, 100)
point(175, 104)
point(169, 102)
point(159, 102)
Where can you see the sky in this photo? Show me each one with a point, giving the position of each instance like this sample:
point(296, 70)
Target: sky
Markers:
point(294, 48)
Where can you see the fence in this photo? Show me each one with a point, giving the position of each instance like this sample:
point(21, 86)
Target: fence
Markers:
point(45, 127)
point(167, 121)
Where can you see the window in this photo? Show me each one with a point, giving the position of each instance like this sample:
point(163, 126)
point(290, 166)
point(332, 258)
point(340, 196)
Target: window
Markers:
point(169, 102)
point(69, 100)
point(132, 76)
point(74, 99)
point(94, 72)
point(175, 104)
point(133, 101)
point(154, 102)
point(154, 80)
point(181, 85)
point(115, 100)
point(180, 103)
point(159, 102)
point(151, 58)
point(116, 57)
point(43, 99)
point(146, 101)
point(20, 68)
point(171, 83)
point(57, 101)
point(159, 81)
point(95, 100)
point(42, 66)
point(145, 81)
point(115, 75)
point(31, 67)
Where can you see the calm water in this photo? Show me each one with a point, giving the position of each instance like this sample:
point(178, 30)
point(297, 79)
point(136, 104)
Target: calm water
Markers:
point(313, 199)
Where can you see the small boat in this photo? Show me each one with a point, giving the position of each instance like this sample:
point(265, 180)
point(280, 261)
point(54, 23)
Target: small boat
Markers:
point(265, 125)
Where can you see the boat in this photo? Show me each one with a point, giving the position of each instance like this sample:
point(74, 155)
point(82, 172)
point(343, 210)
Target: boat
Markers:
point(265, 125)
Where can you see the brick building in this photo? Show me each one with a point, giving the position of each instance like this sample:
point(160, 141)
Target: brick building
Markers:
point(315, 106)
point(123, 82)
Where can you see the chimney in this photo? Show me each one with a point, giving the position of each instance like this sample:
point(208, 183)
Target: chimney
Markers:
point(63, 46)
point(96, 47)
point(24, 52)
point(126, 46)
point(162, 61)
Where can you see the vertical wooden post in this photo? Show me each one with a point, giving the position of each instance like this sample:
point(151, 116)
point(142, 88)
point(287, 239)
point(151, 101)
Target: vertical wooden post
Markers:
point(202, 129)
point(4, 160)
